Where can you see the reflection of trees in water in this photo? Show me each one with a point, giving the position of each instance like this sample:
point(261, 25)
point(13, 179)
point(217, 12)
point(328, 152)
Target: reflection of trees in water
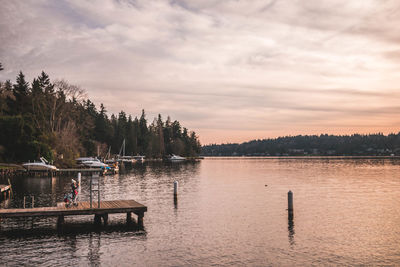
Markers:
point(144, 179)
point(94, 249)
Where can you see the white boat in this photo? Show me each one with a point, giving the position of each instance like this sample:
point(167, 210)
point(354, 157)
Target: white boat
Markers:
point(111, 161)
point(81, 160)
point(94, 164)
point(127, 159)
point(139, 158)
point(175, 158)
point(42, 165)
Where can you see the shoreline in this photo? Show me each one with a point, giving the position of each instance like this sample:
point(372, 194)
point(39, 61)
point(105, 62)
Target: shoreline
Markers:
point(304, 157)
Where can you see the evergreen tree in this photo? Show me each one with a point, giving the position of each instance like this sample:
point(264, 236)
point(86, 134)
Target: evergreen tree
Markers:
point(20, 91)
point(167, 133)
point(143, 134)
point(55, 120)
point(160, 135)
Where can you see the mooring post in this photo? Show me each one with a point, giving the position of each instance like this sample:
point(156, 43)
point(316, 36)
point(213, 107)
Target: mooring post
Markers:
point(290, 204)
point(175, 188)
point(33, 201)
point(24, 201)
point(175, 202)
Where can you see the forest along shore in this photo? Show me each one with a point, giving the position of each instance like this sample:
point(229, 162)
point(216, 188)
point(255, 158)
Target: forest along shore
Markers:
point(56, 121)
point(312, 145)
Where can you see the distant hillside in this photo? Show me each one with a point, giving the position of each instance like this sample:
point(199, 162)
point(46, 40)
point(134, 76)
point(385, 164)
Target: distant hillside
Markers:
point(322, 145)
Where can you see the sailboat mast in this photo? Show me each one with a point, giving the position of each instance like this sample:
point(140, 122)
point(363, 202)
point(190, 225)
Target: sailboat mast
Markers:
point(124, 147)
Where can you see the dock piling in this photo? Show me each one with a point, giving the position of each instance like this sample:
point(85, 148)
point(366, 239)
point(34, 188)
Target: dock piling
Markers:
point(290, 204)
point(60, 221)
point(175, 188)
point(128, 218)
point(105, 219)
point(140, 218)
point(97, 219)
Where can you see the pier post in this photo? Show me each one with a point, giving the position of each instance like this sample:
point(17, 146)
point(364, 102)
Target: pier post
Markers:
point(97, 219)
point(140, 219)
point(128, 218)
point(175, 202)
point(60, 221)
point(24, 201)
point(175, 188)
point(290, 204)
point(105, 219)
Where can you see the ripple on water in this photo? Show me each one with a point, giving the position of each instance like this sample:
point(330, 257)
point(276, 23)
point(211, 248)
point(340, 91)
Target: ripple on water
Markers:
point(346, 213)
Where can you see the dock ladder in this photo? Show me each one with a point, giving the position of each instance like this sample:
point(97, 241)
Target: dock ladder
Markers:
point(95, 187)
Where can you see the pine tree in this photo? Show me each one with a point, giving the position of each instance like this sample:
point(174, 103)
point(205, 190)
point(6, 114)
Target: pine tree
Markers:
point(160, 133)
point(20, 91)
point(143, 137)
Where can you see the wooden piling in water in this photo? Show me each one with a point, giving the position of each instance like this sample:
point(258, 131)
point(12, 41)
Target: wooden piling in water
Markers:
point(290, 204)
point(128, 218)
point(175, 188)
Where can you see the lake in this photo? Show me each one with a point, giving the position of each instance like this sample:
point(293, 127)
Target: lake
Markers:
point(229, 212)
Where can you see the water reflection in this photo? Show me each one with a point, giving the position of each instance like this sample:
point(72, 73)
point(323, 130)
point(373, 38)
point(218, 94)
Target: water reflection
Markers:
point(291, 230)
point(47, 191)
point(175, 202)
point(243, 232)
point(94, 249)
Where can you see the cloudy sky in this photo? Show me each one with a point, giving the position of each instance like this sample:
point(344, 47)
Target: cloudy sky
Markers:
point(231, 70)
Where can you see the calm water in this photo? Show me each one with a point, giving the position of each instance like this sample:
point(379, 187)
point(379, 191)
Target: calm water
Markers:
point(347, 212)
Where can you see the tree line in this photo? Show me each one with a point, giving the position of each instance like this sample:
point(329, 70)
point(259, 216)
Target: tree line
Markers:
point(57, 121)
point(318, 145)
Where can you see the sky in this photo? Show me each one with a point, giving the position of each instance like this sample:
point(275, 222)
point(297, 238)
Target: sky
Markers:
point(232, 70)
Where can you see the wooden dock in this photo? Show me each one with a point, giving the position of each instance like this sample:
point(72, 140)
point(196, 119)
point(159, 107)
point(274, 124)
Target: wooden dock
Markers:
point(83, 208)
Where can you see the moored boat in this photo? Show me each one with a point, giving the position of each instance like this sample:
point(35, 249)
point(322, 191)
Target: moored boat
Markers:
point(42, 165)
point(82, 159)
point(175, 158)
point(139, 158)
point(94, 164)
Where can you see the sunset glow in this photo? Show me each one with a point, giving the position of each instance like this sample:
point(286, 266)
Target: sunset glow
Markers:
point(231, 71)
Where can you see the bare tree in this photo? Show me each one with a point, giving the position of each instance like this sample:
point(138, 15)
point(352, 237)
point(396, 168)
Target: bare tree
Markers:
point(72, 92)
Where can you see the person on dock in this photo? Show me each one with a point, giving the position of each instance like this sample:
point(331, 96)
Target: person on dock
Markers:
point(74, 188)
